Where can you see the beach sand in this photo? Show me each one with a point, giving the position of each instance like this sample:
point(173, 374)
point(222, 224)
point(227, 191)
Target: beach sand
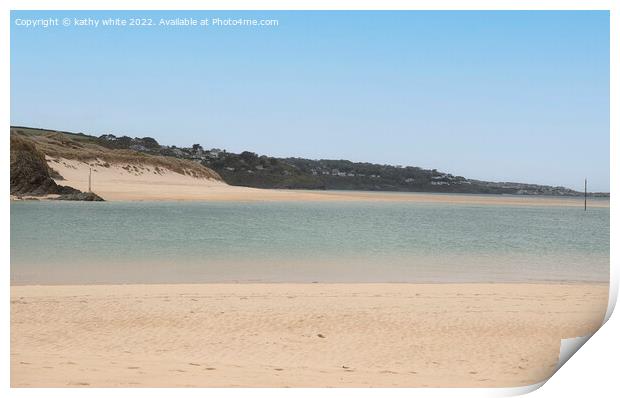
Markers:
point(114, 183)
point(409, 335)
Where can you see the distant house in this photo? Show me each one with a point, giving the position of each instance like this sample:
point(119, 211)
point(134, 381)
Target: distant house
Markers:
point(214, 153)
point(138, 147)
point(336, 172)
point(409, 180)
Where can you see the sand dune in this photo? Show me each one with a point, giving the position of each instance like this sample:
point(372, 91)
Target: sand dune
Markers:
point(119, 182)
point(296, 334)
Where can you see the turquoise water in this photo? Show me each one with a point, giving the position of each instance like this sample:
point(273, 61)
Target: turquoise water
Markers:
point(142, 242)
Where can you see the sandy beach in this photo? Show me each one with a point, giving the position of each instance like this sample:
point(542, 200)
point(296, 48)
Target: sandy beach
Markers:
point(290, 334)
point(118, 182)
point(296, 334)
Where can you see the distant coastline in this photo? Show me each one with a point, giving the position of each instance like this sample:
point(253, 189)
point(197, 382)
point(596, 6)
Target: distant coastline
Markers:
point(125, 168)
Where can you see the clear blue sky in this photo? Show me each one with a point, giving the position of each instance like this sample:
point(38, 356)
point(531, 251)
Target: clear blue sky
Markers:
point(503, 96)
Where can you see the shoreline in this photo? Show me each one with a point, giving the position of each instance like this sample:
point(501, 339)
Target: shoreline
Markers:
point(294, 283)
point(119, 182)
point(297, 335)
point(258, 195)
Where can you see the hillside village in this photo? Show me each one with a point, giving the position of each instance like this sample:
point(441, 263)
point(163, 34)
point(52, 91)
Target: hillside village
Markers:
point(261, 171)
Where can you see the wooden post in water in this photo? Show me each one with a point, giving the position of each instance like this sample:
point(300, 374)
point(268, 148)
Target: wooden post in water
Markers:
point(585, 194)
point(90, 173)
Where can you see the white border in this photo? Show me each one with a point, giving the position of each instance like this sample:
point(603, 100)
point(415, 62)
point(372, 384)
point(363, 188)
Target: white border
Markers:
point(8, 5)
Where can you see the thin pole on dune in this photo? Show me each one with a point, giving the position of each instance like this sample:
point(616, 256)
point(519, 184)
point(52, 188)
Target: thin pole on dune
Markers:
point(90, 173)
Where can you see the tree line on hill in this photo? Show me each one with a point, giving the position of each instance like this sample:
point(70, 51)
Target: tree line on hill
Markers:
point(261, 171)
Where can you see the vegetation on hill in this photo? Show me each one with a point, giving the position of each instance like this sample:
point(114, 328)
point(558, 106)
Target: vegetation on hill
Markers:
point(249, 169)
point(261, 171)
point(86, 148)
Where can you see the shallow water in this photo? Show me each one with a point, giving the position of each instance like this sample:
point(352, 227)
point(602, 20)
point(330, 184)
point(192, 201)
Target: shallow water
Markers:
point(159, 242)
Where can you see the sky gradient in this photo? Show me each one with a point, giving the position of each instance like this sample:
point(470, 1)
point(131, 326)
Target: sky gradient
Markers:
point(501, 96)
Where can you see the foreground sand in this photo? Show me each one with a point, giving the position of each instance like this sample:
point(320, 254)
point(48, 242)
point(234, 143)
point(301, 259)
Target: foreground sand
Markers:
point(115, 183)
point(296, 334)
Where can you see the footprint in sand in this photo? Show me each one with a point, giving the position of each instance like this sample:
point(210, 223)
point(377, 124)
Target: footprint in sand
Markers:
point(209, 368)
point(133, 367)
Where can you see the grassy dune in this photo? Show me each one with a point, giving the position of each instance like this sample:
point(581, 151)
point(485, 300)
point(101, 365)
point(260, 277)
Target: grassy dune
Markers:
point(83, 148)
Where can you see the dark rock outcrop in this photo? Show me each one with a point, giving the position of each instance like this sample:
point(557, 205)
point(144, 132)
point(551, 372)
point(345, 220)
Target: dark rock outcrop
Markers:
point(30, 174)
point(29, 171)
point(85, 196)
